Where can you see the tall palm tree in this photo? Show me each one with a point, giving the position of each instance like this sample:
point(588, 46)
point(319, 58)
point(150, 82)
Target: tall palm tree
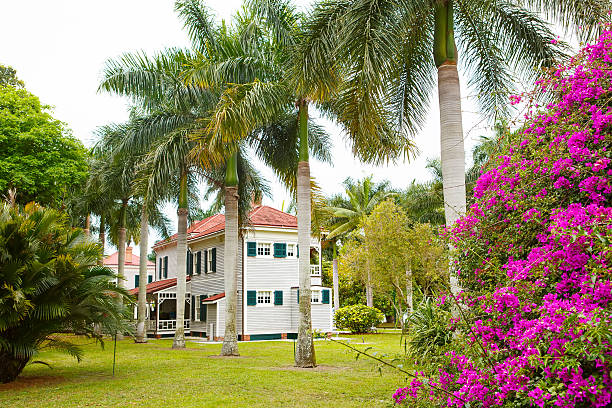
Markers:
point(294, 73)
point(348, 216)
point(393, 50)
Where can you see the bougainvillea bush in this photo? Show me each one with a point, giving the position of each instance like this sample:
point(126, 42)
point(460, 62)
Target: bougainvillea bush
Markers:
point(534, 257)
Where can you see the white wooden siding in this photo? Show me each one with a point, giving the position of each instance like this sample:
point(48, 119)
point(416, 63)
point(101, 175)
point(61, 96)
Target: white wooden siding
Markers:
point(170, 252)
point(213, 283)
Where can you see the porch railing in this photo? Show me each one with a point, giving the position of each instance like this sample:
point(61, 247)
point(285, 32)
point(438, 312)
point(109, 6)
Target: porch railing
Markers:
point(171, 324)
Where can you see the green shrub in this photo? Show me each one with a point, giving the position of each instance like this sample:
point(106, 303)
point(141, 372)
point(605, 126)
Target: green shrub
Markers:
point(49, 284)
point(428, 328)
point(358, 318)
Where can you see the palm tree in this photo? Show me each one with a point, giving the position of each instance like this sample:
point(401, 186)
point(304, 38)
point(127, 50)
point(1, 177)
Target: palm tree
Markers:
point(348, 217)
point(392, 51)
point(292, 72)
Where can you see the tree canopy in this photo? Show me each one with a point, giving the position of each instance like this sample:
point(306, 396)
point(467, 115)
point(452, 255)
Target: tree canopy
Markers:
point(39, 157)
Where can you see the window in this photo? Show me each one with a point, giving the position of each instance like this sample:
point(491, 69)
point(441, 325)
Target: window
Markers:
point(210, 260)
point(196, 309)
point(290, 250)
point(264, 297)
point(263, 249)
point(315, 296)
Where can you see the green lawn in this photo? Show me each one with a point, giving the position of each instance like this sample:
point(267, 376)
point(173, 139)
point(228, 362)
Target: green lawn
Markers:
point(153, 375)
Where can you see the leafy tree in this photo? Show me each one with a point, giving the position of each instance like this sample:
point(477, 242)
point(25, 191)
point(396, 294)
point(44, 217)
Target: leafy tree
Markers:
point(38, 156)
point(348, 216)
point(8, 77)
point(50, 284)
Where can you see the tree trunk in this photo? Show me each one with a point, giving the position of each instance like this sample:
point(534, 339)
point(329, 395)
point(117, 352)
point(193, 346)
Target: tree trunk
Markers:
point(451, 129)
point(409, 289)
point(141, 331)
point(11, 367)
point(121, 251)
point(181, 265)
point(369, 291)
point(304, 349)
point(102, 237)
point(230, 264)
point(335, 277)
point(87, 228)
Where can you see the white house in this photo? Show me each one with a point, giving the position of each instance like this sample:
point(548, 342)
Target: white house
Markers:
point(131, 270)
point(267, 280)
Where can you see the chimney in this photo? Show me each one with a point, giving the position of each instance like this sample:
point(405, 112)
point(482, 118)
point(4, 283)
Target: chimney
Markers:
point(128, 254)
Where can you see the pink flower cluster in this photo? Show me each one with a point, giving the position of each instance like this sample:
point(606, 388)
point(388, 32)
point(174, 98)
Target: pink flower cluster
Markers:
point(535, 254)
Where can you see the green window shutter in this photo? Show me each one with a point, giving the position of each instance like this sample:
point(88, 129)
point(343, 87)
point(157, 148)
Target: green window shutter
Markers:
point(325, 296)
point(297, 250)
point(165, 267)
point(251, 297)
point(137, 280)
point(278, 297)
point(214, 260)
point(193, 307)
point(203, 308)
point(280, 250)
point(160, 261)
point(298, 296)
point(251, 248)
point(149, 278)
point(189, 263)
point(206, 261)
point(199, 263)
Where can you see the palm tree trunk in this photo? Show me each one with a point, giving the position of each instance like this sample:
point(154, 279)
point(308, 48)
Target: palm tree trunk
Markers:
point(335, 276)
point(451, 129)
point(230, 264)
point(11, 367)
point(369, 291)
point(409, 289)
point(102, 236)
point(121, 251)
point(87, 228)
point(304, 349)
point(141, 333)
point(181, 264)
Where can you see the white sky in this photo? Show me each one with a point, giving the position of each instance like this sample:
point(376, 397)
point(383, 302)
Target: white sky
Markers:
point(59, 47)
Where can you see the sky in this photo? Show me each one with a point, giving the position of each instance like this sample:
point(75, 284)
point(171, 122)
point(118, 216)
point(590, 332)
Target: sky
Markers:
point(59, 49)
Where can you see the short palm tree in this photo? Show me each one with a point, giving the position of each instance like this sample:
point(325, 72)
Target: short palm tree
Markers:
point(50, 285)
point(348, 216)
point(392, 52)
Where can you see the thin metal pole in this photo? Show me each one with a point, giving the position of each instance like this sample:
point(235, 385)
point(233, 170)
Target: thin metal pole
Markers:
point(114, 353)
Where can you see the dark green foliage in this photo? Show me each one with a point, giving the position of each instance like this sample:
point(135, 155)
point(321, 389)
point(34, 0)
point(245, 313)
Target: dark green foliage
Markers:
point(38, 156)
point(50, 284)
point(429, 329)
point(358, 318)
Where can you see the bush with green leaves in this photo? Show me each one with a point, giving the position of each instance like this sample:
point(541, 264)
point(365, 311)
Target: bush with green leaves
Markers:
point(358, 318)
point(50, 284)
point(428, 329)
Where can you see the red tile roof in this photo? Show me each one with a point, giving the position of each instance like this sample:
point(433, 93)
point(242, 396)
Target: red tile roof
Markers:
point(113, 259)
point(262, 216)
point(214, 297)
point(158, 285)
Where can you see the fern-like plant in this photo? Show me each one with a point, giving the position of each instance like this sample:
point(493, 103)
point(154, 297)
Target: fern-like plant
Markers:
point(50, 285)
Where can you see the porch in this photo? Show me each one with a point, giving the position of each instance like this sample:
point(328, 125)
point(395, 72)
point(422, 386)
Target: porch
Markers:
point(162, 306)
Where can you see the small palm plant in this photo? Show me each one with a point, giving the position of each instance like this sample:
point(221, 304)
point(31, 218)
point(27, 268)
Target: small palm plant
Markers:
point(50, 284)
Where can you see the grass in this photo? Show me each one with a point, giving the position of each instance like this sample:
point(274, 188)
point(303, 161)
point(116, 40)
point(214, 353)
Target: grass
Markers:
point(153, 375)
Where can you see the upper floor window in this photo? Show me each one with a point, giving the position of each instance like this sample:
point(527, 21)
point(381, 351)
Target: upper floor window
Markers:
point(291, 250)
point(263, 249)
point(315, 296)
point(210, 259)
point(264, 297)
